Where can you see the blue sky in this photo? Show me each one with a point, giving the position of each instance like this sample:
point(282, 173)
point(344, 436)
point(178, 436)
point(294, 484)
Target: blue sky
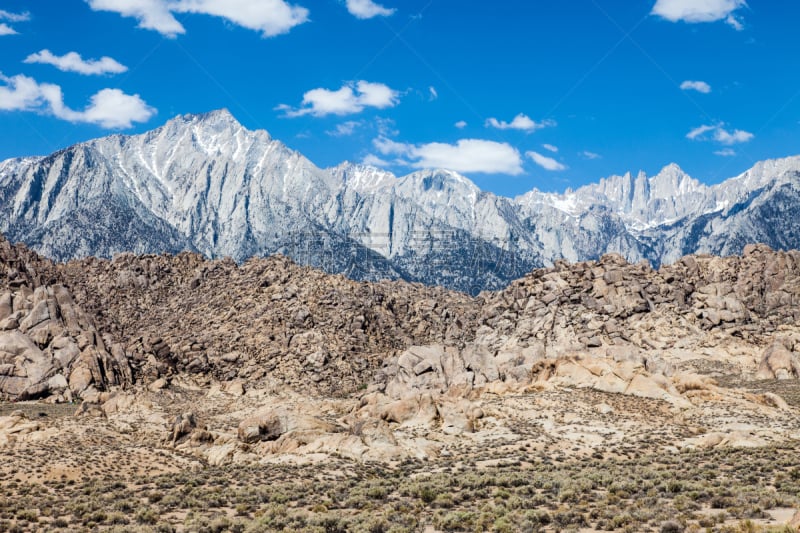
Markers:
point(515, 95)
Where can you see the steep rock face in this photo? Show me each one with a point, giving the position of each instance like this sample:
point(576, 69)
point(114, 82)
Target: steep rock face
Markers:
point(206, 184)
point(48, 344)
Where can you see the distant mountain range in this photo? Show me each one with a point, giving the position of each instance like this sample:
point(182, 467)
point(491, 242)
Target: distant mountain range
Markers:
point(205, 183)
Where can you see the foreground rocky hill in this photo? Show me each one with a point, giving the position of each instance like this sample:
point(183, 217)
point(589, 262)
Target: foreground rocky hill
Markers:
point(267, 318)
point(187, 366)
point(135, 319)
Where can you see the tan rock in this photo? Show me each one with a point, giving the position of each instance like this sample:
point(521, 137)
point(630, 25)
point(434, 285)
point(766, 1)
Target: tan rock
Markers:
point(271, 423)
point(779, 362)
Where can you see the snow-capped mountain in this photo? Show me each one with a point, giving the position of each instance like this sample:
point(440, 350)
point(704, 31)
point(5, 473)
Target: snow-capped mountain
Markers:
point(207, 184)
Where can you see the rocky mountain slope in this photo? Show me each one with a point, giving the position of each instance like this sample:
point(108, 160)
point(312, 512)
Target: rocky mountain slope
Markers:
point(204, 183)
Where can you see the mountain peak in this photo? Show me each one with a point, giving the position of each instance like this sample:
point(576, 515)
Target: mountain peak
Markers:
point(212, 128)
point(672, 167)
point(216, 115)
point(672, 180)
point(217, 120)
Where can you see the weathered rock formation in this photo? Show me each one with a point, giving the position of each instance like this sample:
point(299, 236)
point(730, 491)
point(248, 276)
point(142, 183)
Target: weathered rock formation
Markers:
point(48, 344)
point(267, 318)
point(415, 351)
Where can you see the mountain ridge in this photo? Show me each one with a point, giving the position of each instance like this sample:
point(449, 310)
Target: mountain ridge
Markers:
point(205, 183)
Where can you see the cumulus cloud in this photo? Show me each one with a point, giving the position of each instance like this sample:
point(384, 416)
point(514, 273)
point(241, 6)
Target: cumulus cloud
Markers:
point(694, 11)
point(718, 133)
point(547, 163)
point(590, 155)
point(550, 148)
point(699, 86)
point(112, 108)
point(151, 14)
point(466, 155)
point(108, 108)
point(367, 9)
point(461, 124)
point(349, 99)
point(520, 122)
point(73, 62)
point(5, 29)
point(270, 17)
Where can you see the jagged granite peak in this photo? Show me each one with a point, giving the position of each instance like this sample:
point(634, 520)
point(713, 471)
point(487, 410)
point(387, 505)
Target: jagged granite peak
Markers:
point(645, 201)
point(206, 183)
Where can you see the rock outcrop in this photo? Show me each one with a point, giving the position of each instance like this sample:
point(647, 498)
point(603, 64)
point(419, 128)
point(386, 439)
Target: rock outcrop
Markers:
point(48, 344)
point(265, 319)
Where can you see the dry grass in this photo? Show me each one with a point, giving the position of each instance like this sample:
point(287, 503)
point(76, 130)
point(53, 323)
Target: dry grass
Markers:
point(693, 491)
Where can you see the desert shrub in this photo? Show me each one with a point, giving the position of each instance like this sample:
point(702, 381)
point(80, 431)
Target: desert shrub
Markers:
point(671, 526)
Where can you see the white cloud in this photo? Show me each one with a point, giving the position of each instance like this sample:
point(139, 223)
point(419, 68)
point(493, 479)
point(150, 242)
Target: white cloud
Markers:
point(388, 146)
point(366, 9)
point(466, 155)
point(590, 155)
point(461, 124)
point(520, 122)
point(21, 93)
point(698, 131)
point(386, 127)
point(736, 136)
point(694, 11)
point(270, 17)
point(550, 148)
point(433, 94)
point(699, 86)
point(350, 98)
point(109, 108)
point(345, 129)
point(73, 62)
point(151, 14)
point(719, 134)
point(547, 163)
point(5, 29)
point(375, 161)
point(735, 23)
point(14, 17)
point(725, 152)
